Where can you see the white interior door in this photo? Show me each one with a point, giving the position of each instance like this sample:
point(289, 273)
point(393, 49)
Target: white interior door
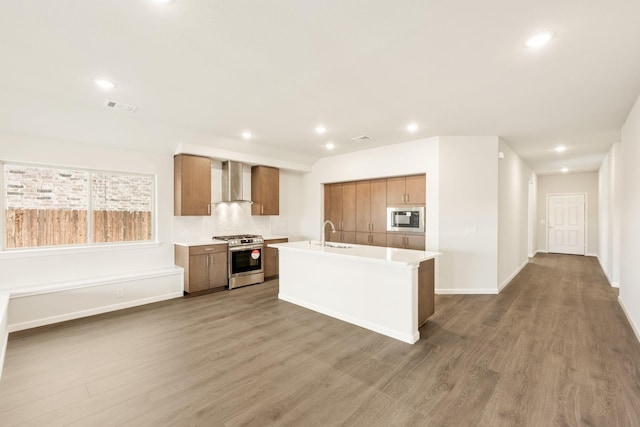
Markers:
point(566, 223)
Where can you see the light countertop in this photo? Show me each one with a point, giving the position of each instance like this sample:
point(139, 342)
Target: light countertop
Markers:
point(206, 242)
point(377, 254)
point(203, 242)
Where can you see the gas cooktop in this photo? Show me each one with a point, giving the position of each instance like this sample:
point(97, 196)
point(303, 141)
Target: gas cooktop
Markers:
point(240, 239)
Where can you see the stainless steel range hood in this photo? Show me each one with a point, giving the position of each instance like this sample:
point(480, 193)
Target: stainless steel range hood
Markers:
point(232, 182)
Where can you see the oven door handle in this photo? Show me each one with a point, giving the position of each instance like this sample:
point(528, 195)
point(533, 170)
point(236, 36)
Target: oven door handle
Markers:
point(245, 248)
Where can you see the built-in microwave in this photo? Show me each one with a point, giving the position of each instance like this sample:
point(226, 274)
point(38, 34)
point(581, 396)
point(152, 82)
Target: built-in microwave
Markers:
point(406, 219)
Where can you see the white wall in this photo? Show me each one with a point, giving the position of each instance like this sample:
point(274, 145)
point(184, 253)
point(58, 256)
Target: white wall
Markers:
point(468, 214)
point(38, 267)
point(570, 183)
point(609, 183)
point(630, 203)
point(515, 177)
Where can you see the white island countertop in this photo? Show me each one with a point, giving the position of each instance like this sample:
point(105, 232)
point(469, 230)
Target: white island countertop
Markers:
point(375, 254)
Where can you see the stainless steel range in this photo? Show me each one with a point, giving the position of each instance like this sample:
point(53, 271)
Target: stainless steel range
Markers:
point(245, 259)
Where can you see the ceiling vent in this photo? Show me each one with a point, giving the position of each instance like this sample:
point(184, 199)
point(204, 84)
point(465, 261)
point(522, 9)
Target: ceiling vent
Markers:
point(362, 138)
point(120, 106)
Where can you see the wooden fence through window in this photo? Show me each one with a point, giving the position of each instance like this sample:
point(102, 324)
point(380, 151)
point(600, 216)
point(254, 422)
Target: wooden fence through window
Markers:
point(26, 228)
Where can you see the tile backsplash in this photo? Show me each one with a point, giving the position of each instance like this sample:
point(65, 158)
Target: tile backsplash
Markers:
point(226, 218)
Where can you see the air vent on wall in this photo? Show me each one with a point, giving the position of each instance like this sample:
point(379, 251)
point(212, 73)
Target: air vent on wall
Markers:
point(120, 106)
point(362, 138)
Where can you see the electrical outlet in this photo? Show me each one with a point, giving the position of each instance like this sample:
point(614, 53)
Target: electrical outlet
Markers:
point(119, 292)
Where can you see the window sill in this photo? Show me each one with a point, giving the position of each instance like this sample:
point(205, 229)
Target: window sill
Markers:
point(107, 247)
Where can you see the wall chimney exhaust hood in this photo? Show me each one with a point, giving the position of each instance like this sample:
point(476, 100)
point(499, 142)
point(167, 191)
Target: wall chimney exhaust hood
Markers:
point(232, 182)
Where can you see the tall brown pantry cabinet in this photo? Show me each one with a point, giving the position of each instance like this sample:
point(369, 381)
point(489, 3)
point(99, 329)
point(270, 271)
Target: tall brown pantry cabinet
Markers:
point(341, 212)
point(371, 203)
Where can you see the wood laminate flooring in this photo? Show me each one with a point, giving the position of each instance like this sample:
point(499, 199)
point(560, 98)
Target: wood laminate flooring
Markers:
point(553, 349)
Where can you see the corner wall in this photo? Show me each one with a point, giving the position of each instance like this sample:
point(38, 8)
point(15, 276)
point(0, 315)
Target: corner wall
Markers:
point(609, 182)
point(630, 205)
point(468, 215)
point(516, 180)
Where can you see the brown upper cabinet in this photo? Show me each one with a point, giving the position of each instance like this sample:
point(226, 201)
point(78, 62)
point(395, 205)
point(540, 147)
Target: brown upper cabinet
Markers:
point(406, 190)
point(265, 190)
point(191, 185)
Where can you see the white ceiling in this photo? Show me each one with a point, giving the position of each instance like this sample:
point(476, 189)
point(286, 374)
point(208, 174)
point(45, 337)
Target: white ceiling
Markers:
point(205, 70)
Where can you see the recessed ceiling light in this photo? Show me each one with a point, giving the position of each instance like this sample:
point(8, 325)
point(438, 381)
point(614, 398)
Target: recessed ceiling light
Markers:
point(412, 127)
point(564, 169)
point(104, 84)
point(561, 148)
point(164, 1)
point(539, 40)
point(330, 145)
point(321, 129)
point(246, 135)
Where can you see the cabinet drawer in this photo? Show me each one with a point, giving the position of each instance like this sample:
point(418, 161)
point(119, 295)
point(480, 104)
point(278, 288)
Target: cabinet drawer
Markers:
point(208, 249)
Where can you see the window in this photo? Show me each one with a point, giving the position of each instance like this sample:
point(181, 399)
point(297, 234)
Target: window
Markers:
point(49, 206)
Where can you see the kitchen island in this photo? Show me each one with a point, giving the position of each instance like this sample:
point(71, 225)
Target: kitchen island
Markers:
point(386, 290)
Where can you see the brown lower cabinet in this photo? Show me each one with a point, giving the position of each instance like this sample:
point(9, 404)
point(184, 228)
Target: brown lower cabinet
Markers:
point(406, 241)
point(205, 267)
point(270, 261)
point(426, 306)
point(371, 239)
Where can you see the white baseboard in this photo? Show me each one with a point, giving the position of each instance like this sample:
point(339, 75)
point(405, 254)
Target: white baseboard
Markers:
point(513, 275)
point(591, 254)
point(463, 291)
point(606, 274)
point(635, 327)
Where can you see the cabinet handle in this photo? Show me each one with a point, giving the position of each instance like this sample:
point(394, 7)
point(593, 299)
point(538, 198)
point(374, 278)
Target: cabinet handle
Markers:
point(209, 209)
point(207, 261)
point(209, 249)
point(407, 197)
point(262, 209)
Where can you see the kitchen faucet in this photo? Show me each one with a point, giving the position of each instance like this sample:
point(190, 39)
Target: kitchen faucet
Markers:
point(333, 230)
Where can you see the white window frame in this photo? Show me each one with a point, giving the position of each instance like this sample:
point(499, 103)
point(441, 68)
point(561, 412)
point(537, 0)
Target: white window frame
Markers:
point(90, 243)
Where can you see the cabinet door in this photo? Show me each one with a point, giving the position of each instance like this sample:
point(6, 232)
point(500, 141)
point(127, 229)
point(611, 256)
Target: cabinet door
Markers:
point(218, 270)
point(363, 238)
point(395, 240)
point(414, 241)
point(270, 261)
point(363, 207)
point(395, 191)
point(379, 206)
point(335, 207)
point(347, 236)
point(349, 207)
point(198, 273)
point(415, 189)
point(378, 239)
point(265, 190)
point(192, 185)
